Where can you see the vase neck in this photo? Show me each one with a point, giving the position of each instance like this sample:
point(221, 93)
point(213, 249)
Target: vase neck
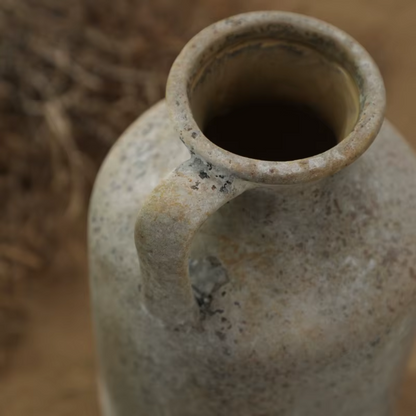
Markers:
point(276, 98)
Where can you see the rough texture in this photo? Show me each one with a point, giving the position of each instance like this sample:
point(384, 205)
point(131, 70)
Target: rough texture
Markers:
point(316, 314)
point(334, 326)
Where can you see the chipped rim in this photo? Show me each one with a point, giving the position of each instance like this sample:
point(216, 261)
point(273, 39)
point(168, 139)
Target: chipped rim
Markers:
point(324, 37)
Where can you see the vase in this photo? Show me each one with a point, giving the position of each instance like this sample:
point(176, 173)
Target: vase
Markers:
point(253, 238)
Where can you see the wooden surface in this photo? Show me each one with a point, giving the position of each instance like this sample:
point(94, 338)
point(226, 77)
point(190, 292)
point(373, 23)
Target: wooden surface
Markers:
point(51, 371)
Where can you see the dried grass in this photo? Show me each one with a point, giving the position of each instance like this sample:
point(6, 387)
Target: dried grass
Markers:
point(73, 75)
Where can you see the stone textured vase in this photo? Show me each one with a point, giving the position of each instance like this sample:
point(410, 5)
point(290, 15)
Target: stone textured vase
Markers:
point(224, 285)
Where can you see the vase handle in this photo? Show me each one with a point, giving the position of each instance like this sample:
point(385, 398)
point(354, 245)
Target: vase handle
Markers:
point(164, 230)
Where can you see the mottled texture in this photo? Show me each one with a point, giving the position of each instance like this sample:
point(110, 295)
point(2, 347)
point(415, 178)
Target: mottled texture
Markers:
point(319, 304)
point(316, 312)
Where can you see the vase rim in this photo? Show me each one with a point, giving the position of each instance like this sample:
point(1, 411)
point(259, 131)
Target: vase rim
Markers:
point(309, 31)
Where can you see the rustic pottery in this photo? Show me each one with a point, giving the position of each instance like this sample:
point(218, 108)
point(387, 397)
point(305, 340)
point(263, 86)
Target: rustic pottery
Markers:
point(255, 282)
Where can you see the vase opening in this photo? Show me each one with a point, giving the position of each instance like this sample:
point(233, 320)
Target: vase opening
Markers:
point(275, 97)
point(274, 100)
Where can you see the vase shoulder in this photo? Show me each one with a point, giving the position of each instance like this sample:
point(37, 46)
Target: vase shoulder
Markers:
point(353, 233)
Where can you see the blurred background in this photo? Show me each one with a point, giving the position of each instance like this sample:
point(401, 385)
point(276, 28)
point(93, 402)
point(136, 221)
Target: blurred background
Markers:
point(73, 75)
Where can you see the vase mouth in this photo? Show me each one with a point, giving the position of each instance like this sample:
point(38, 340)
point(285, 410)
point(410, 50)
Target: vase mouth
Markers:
point(351, 58)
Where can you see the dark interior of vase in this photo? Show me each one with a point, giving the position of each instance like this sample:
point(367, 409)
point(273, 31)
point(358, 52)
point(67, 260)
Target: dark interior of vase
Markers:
point(274, 100)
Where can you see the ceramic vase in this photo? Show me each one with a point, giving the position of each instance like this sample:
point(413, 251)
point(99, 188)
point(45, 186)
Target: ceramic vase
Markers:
point(240, 274)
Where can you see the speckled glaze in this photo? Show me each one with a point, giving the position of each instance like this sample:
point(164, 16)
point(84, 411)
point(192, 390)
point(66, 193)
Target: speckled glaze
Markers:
point(254, 288)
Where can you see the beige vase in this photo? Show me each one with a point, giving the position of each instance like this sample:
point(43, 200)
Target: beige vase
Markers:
point(272, 270)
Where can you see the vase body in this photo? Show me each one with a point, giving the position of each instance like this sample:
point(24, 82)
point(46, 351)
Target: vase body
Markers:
point(305, 292)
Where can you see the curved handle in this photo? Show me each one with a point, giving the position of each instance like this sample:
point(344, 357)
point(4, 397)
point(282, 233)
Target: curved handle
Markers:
point(164, 230)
